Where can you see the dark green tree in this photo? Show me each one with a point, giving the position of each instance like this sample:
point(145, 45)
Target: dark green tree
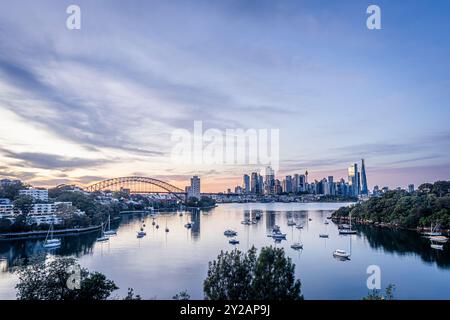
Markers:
point(244, 276)
point(48, 280)
point(274, 276)
point(24, 204)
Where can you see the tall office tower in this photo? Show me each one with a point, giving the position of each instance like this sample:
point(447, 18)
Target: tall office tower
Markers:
point(353, 179)
point(288, 184)
point(295, 183)
point(302, 183)
point(270, 181)
point(194, 188)
point(364, 189)
point(331, 185)
point(411, 188)
point(306, 177)
point(254, 183)
point(246, 183)
point(260, 184)
point(277, 187)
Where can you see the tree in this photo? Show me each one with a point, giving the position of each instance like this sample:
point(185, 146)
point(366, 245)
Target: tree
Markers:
point(244, 276)
point(182, 295)
point(131, 296)
point(48, 280)
point(274, 277)
point(376, 294)
point(24, 204)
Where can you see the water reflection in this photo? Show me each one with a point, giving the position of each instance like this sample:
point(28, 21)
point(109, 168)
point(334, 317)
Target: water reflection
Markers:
point(183, 253)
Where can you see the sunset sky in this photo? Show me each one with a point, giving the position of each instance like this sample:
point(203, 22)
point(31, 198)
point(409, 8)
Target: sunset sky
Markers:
point(79, 106)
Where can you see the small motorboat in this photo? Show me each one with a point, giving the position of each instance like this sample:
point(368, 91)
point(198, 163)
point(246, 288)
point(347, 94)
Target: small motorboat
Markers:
point(230, 233)
point(140, 234)
point(297, 246)
point(437, 246)
point(188, 225)
point(440, 239)
point(278, 235)
point(233, 241)
point(257, 216)
point(341, 254)
point(246, 222)
point(329, 217)
point(291, 223)
point(299, 226)
point(347, 231)
point(310, 219)
point(323, 235)
point(326, 222)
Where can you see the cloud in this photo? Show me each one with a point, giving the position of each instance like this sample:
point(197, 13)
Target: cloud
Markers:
point(51, 161)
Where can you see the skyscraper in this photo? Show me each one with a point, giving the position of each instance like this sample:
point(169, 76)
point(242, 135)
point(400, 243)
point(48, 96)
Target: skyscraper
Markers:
point(364, 189)
point(270, 181)
point(254, 183)
point(194, 189)
point(353, 179)
point(246, 183)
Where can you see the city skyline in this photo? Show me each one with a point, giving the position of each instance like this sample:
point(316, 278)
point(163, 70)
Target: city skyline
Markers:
point(80, 106)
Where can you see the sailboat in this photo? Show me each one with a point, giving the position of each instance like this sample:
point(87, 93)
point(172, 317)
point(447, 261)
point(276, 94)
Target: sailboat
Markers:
point(433, 232)
point(347, 230)
point(342, 254)
point(103, 237)
point(297, 245)
point(108, 231)
point(51, 243)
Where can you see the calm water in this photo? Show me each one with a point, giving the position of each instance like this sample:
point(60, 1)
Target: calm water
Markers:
point(162, 264)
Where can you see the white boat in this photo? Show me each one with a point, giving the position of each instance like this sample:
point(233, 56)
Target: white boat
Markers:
point(246, 221)
point(49, 242)
point(103, 237)
point(323, 235)
point(230, 233)
point(108, 230)
point(233, 241)
point(437, 246)
point(297, 246)
point(278, 235)
point(440, 239)
point(291, 223)
point(341, 254)
point(347, 231)
point(299, 226)
point(347, 228)
point(188, 225)
point(433, 232)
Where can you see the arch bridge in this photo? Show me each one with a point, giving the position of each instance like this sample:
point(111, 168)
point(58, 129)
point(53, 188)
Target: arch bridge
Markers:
point(136, 185)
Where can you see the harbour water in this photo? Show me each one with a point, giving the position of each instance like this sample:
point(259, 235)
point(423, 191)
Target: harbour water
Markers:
point(162, 264)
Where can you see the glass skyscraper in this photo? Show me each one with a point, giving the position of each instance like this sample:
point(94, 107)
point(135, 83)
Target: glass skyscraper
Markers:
point(364, 189)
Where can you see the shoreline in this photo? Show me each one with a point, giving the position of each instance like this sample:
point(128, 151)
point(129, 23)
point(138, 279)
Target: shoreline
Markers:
point(42, 233)
point(385, 225)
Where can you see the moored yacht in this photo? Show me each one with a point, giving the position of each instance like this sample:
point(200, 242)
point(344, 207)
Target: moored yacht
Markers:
point(49, 242)
point(230, 233)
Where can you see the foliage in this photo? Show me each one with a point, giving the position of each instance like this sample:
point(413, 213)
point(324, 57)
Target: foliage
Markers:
point(246, 276)
point(131, 296)
point(429, 205)
point(376, 294)
point(182, 295)
point(11, 191)
point(24, 204)
point(202, 203)
point(47, 280)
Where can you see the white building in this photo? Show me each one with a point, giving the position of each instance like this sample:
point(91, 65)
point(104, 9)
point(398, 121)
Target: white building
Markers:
point(37, 194)
point(194, 189)
point(6, 211)
point(50, 213)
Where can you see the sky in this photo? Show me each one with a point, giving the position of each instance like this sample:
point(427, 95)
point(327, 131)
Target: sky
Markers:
point(80, 106)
